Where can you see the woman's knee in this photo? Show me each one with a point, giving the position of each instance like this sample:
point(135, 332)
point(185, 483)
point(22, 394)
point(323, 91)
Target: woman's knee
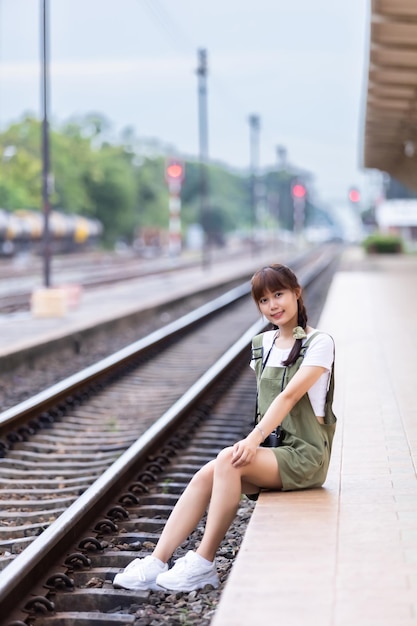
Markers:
point(204, 476)
point(224, 456)
point(223, 461)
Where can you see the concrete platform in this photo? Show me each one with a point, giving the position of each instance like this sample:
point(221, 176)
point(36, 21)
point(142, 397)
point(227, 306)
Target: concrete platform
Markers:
point(98, 307)
point(346, 554)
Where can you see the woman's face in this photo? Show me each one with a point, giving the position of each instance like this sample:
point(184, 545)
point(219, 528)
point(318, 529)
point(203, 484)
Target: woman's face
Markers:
point(280, 307)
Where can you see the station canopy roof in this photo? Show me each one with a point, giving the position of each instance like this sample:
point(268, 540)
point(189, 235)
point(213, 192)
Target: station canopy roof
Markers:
point(390, 138)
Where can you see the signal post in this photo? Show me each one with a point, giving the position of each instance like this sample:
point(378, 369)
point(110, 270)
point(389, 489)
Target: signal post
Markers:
point(299, 194)
point(174, 176)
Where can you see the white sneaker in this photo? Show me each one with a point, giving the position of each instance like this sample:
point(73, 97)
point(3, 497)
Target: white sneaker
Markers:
point(140, 574)
point(188, 573)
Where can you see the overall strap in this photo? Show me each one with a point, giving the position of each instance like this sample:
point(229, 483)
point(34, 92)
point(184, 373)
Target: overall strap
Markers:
point(307, 343)
point(258, 353)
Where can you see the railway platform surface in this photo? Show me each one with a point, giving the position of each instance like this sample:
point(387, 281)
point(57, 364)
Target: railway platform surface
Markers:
point(346, 554)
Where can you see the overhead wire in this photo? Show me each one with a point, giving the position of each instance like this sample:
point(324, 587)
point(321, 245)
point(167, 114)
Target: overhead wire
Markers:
point(181, 40)
point(163, 19)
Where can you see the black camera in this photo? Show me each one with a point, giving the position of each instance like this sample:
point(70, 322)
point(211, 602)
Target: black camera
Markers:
point(275, 439)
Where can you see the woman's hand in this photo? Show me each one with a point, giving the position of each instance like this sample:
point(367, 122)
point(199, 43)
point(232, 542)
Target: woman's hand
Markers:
point(244, 450)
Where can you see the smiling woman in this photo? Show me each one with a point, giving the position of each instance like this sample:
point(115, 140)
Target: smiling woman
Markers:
point(294, 369)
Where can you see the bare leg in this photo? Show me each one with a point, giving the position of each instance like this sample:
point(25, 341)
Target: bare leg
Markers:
point(220, 484)
point(227, 487)
point(187, 512)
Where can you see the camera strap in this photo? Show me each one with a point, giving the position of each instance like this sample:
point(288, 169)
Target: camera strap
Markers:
point(264, 362)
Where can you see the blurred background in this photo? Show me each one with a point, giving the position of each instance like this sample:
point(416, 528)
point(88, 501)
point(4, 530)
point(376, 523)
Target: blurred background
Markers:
point(160, 128)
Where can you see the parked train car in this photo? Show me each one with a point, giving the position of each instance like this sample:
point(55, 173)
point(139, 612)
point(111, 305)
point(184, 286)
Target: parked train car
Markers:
point(23, 230)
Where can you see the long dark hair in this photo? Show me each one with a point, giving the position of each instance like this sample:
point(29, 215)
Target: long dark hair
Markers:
point(275, 278)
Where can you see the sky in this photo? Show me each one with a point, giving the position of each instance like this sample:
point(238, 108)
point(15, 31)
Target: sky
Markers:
point(300, 65)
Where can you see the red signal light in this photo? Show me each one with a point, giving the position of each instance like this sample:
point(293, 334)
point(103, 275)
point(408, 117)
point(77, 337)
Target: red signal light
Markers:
point(298, 191)
point(354, 195)
point(174, 171)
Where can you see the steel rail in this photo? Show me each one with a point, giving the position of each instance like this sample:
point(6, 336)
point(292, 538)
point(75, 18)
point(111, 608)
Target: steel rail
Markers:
point(109, 274)
point(30, 564)
point(19, 414)
point(16, 416)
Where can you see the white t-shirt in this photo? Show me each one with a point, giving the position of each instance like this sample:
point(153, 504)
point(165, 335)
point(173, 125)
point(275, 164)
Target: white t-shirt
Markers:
point(320, 352)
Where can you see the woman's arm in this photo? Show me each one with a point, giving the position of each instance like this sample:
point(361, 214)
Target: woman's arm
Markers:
point(279, 408)
point(299, 385)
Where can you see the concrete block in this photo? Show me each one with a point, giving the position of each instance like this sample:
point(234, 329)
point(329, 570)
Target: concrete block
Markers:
point(49, 302)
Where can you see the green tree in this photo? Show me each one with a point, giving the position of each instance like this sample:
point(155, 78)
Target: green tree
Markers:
point(20, 165)
point(113, 181)
point(152, 194)
point(112, 191)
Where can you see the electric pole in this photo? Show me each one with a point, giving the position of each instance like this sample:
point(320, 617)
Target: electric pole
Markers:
point(45, 142)
point(254, 124)
point(203, 147)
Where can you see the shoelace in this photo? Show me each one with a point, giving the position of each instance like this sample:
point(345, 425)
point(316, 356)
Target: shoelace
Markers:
point(184, 561)
point(181, 563)
point(132, 565)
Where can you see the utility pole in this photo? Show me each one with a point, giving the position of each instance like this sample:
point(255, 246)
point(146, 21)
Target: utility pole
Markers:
point(45, 142)
point(254, 124)
point(281, 157)
point(203, 147)
point(282, 196)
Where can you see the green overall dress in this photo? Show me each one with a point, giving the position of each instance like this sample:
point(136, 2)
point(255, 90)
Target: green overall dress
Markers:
point(304, 456)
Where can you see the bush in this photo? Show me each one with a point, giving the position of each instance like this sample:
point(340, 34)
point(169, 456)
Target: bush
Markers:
point(380, 243)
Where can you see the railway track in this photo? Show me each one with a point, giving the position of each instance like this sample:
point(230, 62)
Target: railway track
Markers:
point(89, 271)
point(18, 298)
point(123, 415)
